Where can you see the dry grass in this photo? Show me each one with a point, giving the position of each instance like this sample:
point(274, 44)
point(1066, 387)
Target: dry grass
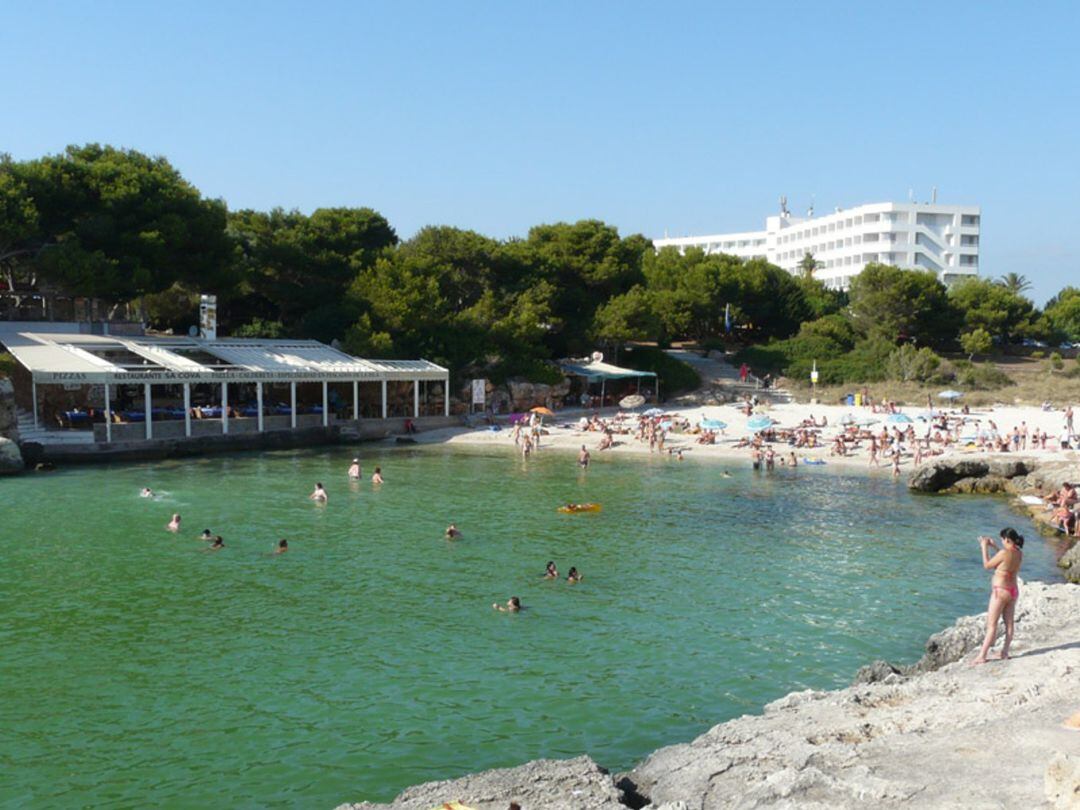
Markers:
point(1033, 384)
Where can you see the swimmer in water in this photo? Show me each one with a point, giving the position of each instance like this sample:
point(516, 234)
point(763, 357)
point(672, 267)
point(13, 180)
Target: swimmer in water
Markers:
point(319, 495)
point(583, 457)
point(551, 572)
point(282, 547)
point(354, 470)
point(513, 605)
point(146, 493)
point(218, 543)
point(725, 474)
point(376, 477)
point(573, 576)
point(174, 524)
point(206, 535)
point(452, 532)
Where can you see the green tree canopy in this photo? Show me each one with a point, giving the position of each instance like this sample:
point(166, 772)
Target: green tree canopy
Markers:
point(113, 223)
point(998, 310)
point(1063, 313)
point(297, 269)
point(896, 304)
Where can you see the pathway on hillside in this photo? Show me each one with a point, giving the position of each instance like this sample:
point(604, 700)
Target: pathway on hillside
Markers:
point(720, 381)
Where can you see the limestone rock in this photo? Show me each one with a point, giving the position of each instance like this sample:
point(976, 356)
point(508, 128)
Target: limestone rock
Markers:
point(876, 672)
point(544, 784)
point(1062, 782)
point(11, 460)
point(9, 423)
point(1008, 467)
point(987, 485)
point(1070, 561)
point(940, 475)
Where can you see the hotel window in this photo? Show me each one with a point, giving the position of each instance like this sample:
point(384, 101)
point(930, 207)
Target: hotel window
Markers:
point(970, 219)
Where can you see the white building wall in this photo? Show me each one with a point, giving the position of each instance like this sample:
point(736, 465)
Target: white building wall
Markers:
point(926, 236)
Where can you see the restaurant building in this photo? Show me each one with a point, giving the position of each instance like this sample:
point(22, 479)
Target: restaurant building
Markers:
point(112, 389)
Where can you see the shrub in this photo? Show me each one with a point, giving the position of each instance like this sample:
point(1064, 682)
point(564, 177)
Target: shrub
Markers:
point(1055, 362)
point(985, 376)
point(675, 375)
point(1038, 354)
point(258, 328)
point(908, 364)
point(7, 364)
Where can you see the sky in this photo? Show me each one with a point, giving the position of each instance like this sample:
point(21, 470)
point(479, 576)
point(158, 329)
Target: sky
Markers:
point(684, 118)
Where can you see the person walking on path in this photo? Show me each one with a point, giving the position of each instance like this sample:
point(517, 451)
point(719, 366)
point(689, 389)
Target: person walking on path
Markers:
point(744, 372)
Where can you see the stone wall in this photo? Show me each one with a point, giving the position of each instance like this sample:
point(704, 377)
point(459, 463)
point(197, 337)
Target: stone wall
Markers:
point(9, 427)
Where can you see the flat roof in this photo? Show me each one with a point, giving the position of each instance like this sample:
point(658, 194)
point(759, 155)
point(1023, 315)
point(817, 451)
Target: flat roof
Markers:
point(116, 359)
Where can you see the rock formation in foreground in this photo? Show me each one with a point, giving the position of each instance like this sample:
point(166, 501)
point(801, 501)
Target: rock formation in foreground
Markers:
point(955, 736)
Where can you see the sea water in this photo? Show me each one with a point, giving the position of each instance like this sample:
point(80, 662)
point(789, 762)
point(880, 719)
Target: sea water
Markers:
point(139, 668)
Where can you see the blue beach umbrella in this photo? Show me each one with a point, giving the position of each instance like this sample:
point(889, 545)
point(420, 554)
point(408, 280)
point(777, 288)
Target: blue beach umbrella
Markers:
point(760, 422)
point(713, 424)
point(950, 394)
point(654, 412)
point(898, 419)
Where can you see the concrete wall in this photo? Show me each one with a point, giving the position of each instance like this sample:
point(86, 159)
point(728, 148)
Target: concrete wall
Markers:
point(309, 433)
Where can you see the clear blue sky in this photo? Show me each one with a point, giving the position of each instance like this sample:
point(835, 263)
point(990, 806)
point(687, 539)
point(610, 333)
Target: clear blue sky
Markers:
point(497, 116)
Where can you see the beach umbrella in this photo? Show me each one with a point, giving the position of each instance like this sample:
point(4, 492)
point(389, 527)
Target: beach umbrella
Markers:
point(848, 419)
point(713, 424)
point(654, 412)
point(950, 394)
point(540, 409)
point(759, 422)
point(632, 401)
point(866, 422)
point(898, 419)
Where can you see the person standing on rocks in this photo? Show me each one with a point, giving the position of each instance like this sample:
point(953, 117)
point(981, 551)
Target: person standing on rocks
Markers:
point(1004, 589)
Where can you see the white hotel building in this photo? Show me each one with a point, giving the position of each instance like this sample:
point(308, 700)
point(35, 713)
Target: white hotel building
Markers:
point(922, 236)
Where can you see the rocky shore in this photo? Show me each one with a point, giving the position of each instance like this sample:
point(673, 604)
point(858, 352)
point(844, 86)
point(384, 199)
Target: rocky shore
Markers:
point(937, 734)
point(1010, 475)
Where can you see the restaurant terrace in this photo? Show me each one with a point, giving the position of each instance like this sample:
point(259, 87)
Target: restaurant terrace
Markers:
point(132, 388)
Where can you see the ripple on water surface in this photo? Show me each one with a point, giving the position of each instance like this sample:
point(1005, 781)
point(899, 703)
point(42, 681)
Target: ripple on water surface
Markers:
point(142, 668)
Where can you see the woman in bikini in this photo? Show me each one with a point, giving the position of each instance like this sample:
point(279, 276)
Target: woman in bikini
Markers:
point(1004, 590)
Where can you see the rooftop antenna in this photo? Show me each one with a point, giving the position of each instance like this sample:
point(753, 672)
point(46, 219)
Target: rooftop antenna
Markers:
point(911, 195)
point(933, 195)
point(783, 207)
point(810, 210)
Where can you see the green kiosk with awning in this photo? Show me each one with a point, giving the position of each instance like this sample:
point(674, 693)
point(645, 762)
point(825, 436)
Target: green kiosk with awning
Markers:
point(598, 371)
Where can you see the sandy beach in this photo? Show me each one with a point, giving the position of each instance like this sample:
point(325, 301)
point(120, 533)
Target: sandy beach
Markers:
point(562, 433)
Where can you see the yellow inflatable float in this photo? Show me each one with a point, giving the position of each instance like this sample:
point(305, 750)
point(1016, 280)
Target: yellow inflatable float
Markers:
point(571, 508)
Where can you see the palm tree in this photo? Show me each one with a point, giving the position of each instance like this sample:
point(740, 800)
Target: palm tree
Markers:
point(1015, 283)
point(807, 265)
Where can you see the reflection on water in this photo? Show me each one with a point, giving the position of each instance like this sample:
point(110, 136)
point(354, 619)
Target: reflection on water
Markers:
point(141, 668)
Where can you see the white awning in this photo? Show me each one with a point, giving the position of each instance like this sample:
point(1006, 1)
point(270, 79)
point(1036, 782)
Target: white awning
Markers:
point(97, 359)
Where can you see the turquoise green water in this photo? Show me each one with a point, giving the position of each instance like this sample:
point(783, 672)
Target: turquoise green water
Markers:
point(138, 668)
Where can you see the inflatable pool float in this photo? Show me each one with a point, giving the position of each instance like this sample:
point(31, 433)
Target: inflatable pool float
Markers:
point(579, 507)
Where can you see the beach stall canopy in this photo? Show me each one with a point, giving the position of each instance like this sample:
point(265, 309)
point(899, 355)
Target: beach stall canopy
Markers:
point(599, 371)
point(112, 360)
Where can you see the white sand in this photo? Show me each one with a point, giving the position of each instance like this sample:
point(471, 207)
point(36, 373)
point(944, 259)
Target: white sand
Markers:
point(563, 434)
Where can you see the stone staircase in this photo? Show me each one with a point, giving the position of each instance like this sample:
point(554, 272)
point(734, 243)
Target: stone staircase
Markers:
point(720, 382)
point(49, 435)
